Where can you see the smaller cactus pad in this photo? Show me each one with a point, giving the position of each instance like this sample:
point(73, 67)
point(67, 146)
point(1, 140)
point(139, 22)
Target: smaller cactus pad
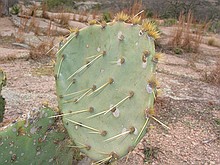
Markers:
point(37, 140)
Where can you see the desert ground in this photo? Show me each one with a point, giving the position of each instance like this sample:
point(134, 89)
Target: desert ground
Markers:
point(189, 103)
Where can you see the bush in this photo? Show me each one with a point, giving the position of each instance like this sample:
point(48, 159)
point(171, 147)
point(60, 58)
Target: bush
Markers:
point(106, 17)
point(170, 22)
point(184, 37)
point(215, 26)
point(15, 9)
point(51, 4)
point(211, 42)
point(214, 76)
point(177, 50)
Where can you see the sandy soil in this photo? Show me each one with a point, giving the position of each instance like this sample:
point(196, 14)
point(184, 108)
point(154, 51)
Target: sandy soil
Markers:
point(188, 105)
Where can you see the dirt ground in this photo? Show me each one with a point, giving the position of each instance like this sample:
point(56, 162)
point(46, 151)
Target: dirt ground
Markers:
point(189, 106)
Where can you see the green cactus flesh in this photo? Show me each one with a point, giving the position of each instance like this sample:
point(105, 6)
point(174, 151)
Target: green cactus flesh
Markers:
point(103, 77)
point(2, 100)
point(35, 141)
point(2, 108)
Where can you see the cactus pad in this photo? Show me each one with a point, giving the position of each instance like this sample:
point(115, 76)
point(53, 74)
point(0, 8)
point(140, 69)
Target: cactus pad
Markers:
point(35, 141)
point(105, 81)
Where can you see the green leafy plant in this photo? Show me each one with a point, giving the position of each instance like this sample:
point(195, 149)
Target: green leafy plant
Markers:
point(51, 4)
point(170, 22)
point(15, 9)
point(106, 17)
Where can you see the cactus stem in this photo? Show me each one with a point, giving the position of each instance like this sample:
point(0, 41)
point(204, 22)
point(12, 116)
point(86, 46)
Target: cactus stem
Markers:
point(111, 80)
point(61, 61)
point(83, 125)
point(144, 126)
point(84, 66)
point(91, 89)
point(130, 131)
point(102, 161)
point(128, 97)
point(159, 122)
point(91, 109)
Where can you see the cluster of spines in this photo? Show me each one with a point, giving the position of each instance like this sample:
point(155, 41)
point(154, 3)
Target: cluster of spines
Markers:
point(151, 29)
point(147, 25)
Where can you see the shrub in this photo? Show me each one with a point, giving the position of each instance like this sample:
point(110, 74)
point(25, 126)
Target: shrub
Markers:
point(51, 4)
point(185, 37)
point(106, 16)
point(15, 9)
point(211, 42)
point(215, 26)
point(214, 76)
point(170, 22)
point(41, 51)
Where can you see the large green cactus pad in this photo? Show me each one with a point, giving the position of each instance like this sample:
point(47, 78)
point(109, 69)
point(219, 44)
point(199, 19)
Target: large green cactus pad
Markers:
point(35, 141)
point(105, 84)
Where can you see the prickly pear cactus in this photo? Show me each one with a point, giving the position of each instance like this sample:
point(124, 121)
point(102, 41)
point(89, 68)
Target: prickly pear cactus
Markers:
point(37, 140)
point(2, 100)
point(105, 81)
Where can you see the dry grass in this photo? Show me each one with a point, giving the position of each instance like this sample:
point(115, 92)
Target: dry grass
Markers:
point(211, 42)
point(34, 26)
point(1, 8)
point(185, 36)
point(19, 38)
point(44, 9)
point(81, 18)
point(136, 7)
point(33, 10)
point(41, 51)
point(49, 30)
point(8, 58)
point(214, 76)
point(94, 14)
point(23, 22)
point(64, 19)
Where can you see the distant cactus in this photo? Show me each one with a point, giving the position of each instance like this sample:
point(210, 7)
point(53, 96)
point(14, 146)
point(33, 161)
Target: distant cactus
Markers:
point(106, 84)
point(2, 100)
